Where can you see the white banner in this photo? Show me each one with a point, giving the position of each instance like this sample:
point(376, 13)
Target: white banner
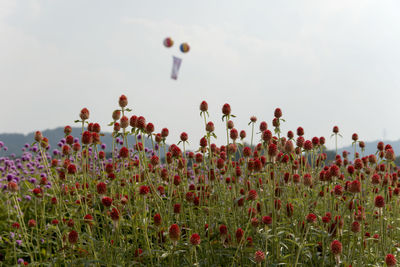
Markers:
point(175, 67)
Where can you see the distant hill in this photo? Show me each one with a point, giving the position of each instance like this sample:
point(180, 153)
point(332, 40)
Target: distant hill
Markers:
point(15, 141)
point(371, 147)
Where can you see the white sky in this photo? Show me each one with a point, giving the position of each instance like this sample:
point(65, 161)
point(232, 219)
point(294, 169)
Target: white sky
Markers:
point(324, 63)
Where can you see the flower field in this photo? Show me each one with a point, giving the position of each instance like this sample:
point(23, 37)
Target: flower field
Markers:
point(264, 198)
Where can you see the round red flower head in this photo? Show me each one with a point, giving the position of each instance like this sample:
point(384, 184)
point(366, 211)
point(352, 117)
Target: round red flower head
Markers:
point(174, 232)
point(259, 256)
point(73, 237)
point(195, 239)
point(379, 202)
point(226, 109)
point(123, 101)
point(203, 106)
point(84, 115)
point(336, 247)
point(124, 152)
point(390, 260)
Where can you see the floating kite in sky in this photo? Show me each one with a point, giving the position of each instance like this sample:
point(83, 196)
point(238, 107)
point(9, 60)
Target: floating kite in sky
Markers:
point(184, 47)
point(168, 42)
point(175, 67)
point(176, 61)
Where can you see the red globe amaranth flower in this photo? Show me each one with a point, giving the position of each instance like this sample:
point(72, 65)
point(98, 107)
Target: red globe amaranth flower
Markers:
point(252, 195)
point(116, 114)
point(267, 220)
point(84, 115)
point(184, 137)
point(234, 134)
point(338, 190)
point(223, 230)
point(88, 219)
point(259, 256)
point(239, 234)
point(37, 192)
point(101, 188)
point(114, 214)
point(12, 186)
point(149, 128)
point(177, 208)
point(107, 201)
point(87, 138)
point(133, 121)
point(335, 129)
point(358, 164)
point(242, 134)
point(355, 186)
point(157, 219)
point(390, 260)
point(354, 137)
point(195, 239)
point(124, 152)
point(144, 190)
point(203, 106)
point(300, 131)
point(272, 150)
point(379, 202)
point(311, 218)
point(164, 132)
point(124, 122)
point(73, 237)
point(226, 109)
point(210, 127)
point(355, 227)
point(141, 122)
point(308, 145)
point(336, 247)
point(174, 232)
point(203, 142)
point(263, 126)
point(278, 113)
point(389, 155)
point(31, 223)
point(307, 180)
point(71, 169)
point(123, 101)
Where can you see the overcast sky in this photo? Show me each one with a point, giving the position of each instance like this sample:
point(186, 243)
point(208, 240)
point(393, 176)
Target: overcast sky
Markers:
point(324, 63)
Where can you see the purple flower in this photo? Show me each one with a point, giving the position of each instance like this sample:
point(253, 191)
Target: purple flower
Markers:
point(103, 146)
point(20, 261)
point(27, 197)
point(5, 148)
point(19, 242)
point(139, 137)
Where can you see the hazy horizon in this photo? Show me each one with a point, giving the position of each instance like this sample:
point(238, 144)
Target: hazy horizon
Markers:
point(322, 63)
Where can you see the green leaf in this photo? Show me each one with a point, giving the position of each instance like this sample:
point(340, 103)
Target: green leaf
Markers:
point(111, 123)
point(77, 121)
point(128, 109)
